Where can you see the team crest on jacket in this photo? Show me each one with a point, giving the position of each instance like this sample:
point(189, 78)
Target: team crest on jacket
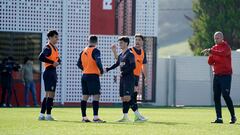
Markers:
point(122, 64)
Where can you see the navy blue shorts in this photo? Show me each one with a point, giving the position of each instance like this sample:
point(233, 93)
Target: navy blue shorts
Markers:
point(126, 85)
point(90, 84)
point(50, 79)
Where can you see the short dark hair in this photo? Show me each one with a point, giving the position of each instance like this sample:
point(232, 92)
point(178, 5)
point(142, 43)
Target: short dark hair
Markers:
point(51, 33)
point(10, 58)
point(93, 39)
point(139, 35)
point(124, 39)
point(25, 60)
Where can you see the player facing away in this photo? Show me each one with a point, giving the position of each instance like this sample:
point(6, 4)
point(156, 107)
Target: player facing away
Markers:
point(50, 57)
point(90, 63)
point(141, 66)
point(127, 64)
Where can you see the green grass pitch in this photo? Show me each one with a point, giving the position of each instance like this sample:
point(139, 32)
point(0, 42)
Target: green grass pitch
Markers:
point(162, 121)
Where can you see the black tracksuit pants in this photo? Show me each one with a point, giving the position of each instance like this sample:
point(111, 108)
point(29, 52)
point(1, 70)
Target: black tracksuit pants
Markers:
point(222, 86)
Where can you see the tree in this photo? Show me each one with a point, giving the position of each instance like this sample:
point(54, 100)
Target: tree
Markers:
point(212, 16)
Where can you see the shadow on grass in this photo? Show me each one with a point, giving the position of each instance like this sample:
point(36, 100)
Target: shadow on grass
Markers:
point(236, 124)
point(125, 123)
point(147, 122)
point(166, 123)
point(69, 121)
point(112, 122)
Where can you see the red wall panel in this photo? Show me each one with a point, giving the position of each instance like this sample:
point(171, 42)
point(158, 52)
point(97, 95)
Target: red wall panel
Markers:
point(102, 17)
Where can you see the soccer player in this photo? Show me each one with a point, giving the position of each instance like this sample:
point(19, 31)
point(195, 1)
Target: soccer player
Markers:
point(90, 63)
point(141, 66)
point(127, 65)
point(50, 57)
point(221, 63)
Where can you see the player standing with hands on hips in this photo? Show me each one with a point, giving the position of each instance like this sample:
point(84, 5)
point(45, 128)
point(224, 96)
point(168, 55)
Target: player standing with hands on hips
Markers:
point(50, 57)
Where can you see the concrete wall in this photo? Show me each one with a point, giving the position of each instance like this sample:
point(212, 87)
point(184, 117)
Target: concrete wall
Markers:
point(188, 81)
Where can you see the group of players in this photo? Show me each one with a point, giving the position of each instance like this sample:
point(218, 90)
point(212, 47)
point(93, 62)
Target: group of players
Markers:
point(132, 62)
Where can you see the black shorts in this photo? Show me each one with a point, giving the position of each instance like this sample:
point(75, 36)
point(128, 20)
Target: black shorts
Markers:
point(90, 84)
point(136, 80)
point(126, 85)
point(50, 79)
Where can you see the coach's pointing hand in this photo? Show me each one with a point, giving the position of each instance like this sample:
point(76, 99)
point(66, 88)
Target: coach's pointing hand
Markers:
point(206, 51)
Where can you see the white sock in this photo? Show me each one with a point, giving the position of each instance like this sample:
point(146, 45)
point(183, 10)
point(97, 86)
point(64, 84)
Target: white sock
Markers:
point(42, 114)
point(48, 115)
point(137, 113)
point(125, 115)
point(95, 117)
point(85, 118)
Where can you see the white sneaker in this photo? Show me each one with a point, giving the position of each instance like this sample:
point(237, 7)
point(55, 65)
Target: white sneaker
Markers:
point(49, 118)
point(140, 119)
point(41, 117)
point(124, 119)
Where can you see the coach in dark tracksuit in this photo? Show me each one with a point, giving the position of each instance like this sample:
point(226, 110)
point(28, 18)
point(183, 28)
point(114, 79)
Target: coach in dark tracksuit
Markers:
point(127, 65)
point(220, 60)
point(90, 63)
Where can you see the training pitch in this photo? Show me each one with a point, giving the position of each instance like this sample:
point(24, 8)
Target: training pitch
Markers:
point(162, 121)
